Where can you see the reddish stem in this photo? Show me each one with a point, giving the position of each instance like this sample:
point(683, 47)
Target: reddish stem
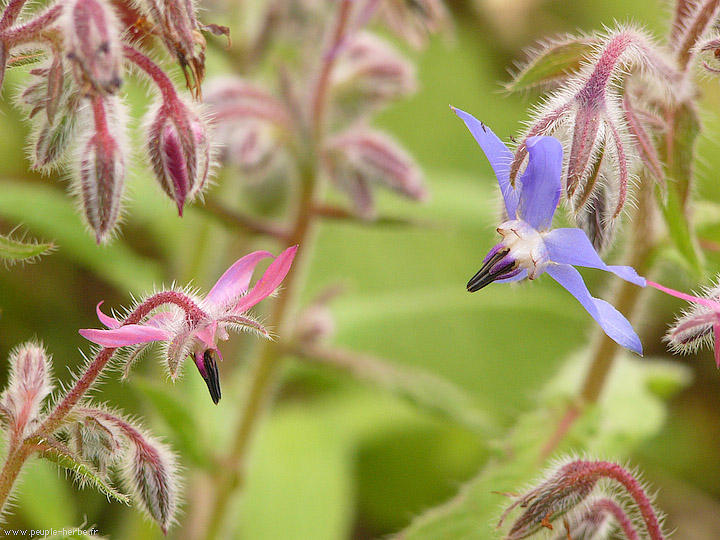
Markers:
point(163, 82)
point(31, 30)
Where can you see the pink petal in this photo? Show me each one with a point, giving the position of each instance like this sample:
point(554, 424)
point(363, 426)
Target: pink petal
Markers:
point(131, 334)
point(716, 326)
point(269, 281)
point(110, 322)
point(207, 335)
point(236, 279)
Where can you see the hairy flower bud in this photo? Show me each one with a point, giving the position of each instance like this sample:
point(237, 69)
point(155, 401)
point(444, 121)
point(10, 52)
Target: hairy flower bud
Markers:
point(93, 44)
point(100, 168)
point(414, 20)
point(358, 158)
point(369, 74)
point(588, 113)
point(179, 151)
point(555, 496)
point(29, 384)
point(249, 123)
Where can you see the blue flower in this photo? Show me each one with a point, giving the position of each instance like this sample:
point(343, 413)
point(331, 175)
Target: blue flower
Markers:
point(529, 246)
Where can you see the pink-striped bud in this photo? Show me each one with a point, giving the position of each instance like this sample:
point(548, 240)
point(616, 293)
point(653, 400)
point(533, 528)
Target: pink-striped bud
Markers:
point(93, 43)
point(179, 151)
point(100, 168)
point(30, 382)
point(369, 74)
point(358, 158)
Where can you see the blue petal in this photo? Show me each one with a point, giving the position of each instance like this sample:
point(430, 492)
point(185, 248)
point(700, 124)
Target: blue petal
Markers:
point(572, 246)
point(615, 325)
point(497, 154)
point(540, 184)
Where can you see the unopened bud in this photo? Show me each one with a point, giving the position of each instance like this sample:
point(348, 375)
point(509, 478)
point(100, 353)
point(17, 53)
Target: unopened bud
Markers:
point(698, 325)
point(101, 169)
point(93, 42)
point(29, 384)
point(562, 492)
point(414, 20)
point(179, 151)
point(369, 74)
point(359, 158)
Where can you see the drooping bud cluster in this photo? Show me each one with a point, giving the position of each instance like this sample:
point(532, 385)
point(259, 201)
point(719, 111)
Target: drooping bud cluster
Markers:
point(358, 158)
point(587, 495)
point(414, 20)
point(86, 45)
point(369, 75)
point(604, 110)
point(250, 124)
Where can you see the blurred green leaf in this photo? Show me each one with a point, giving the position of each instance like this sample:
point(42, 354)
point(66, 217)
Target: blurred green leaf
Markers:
point(553, 62)
point(679, 160)
point(51, 213)
point(299, 485)
point(627, 414)
point(19, 250)
point(179, 417)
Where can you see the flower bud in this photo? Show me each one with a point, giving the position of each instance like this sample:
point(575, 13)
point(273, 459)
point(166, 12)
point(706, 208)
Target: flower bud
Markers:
point(414, 20)
point(179, 151)
point(358, 158)
point(561, 492)
point(699, 325)
point(249, 123)
point(29, 384)
point(369, 74)
point(93, 44)
point(100, 169)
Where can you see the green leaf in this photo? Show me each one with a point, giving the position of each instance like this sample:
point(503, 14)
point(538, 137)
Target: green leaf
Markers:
point(679, 159)
point(49, 212)
point(83, 472)
point(19, 250)
point(298, 487)
point(629, 413)
point(552, 63)
point(176, 412)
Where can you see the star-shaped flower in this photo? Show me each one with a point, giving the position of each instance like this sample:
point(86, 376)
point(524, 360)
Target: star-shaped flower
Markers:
point(529, 246)
point(196, 324)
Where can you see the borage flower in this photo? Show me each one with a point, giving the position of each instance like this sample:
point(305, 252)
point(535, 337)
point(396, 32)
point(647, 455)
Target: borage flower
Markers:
point(529, 247)
point(194, 325)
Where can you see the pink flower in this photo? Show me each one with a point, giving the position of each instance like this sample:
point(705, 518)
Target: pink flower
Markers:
point(194, 325)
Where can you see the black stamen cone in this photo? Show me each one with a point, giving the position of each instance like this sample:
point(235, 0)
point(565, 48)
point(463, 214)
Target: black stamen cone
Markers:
point(489, 273)
point(213, 375)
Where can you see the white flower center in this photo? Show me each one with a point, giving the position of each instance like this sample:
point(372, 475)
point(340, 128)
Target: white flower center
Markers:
point(526, 246)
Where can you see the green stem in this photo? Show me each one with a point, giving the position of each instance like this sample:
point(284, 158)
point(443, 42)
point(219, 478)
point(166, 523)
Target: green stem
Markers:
point(11, 470)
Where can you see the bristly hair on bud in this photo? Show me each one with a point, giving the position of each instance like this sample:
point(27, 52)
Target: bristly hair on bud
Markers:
point(149, 468)
point(179, 150)
point(92, 36)
point(30, 382)
point(698, 325)
point(369, 74)
point(100, 165)
point(358, 158)
point(569, 489)
point(602, 137)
